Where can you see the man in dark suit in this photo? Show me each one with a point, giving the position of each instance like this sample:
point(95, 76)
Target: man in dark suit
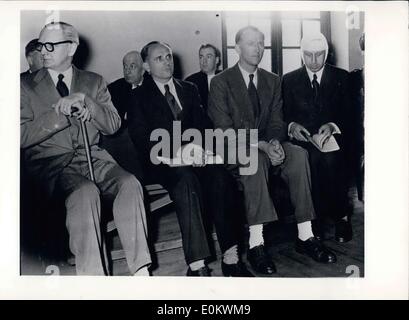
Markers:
point(119, 145)
point(162, 103)
point(33, 57)
point(55, 155)
point(316, 100)
point(209, 60)
point(248, 97)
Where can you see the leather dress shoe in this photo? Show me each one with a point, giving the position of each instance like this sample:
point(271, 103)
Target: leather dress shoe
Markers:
point(259, 260)
point(235, 270)
point(316, 250)
point(202, 272)
point(343, 231)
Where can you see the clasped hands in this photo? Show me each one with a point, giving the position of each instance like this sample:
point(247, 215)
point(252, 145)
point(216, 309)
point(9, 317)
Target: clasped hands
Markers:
point(73, 105)
point(300, 133)
point(274, 151)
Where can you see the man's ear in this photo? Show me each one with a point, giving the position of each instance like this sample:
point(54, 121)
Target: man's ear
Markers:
point(73, 49)
point(29, 60)
point(238, 50)
point(217, 62)
point(146, 67)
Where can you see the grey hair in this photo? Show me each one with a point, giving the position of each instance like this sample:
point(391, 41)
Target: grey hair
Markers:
point(68, 30)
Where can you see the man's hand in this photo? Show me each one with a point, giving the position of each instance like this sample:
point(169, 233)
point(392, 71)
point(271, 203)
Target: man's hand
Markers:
point(299, 132)
point(73, 105)
point(326, 130)
point(274, 151)
point(193, 153)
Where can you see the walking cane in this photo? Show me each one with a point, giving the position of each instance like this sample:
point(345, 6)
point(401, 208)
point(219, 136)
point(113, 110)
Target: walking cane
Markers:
point(87, 148)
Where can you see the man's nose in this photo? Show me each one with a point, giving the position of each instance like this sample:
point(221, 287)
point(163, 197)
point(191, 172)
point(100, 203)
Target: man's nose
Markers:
point(314, 58)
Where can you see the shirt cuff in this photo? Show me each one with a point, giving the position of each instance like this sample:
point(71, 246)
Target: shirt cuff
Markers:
point(337, 130)
point(289, 128)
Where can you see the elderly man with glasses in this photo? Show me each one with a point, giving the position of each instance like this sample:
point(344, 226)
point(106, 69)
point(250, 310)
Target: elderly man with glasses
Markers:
point(54, 102)
point(316, 100)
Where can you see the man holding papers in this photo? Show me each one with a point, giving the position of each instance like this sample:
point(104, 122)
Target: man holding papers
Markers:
point(195, 189)
point(316, 103)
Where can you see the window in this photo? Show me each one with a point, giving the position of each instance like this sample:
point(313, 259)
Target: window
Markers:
point(283, 32)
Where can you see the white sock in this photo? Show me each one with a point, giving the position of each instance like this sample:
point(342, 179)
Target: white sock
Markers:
point(345, 218)
point(194, 266)
point(304, 230)
point(142, 272)
point(231, 255)
point(256, 235)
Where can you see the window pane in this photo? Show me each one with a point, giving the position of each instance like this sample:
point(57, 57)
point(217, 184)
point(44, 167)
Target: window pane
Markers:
point(311, 27)
point(232, 57)
point(290, 15)
point(265, 63)
point(291, 60)
point(291, 32)
point(234, 22)
point(264, 25)
point(311, 15)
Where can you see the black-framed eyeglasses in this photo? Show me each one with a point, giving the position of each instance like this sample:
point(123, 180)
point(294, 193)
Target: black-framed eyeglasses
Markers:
point(49, 46)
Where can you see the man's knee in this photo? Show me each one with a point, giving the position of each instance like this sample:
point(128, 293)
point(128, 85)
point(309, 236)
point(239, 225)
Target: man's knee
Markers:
point(130, 182)
point(86, 191)
point(296, 155)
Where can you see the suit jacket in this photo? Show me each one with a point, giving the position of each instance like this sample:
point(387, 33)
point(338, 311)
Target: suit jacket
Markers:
point(151, 111)
point(121, 95)
point(200, 80)
point(334, 101)
point(50, 141)
point(230, 105)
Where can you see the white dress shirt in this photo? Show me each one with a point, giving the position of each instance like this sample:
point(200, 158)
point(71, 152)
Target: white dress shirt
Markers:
point(246, 76)
point(67, 77)
point(172, 90)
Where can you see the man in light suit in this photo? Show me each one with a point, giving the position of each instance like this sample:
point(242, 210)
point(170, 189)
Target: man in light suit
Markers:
point(248, 97)
point(209, 60)
point(316, 100)
point(198, 192)
point(54, 153)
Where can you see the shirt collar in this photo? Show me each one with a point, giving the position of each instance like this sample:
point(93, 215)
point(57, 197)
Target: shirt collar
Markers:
point(67, 76)
point(319, 74)
point(246, 75)
point(161, 86)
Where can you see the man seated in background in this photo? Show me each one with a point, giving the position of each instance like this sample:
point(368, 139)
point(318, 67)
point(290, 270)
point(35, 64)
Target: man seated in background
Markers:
point(248, 97)
point(54, 102)
point(209, 60)
point(316, 100)
point(119, 145)
point(195, 190)
point(33, 57)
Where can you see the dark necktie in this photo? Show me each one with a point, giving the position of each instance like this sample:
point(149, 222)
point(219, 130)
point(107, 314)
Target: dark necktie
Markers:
point(252, 91)
point(174, 106)
point(61, 86)
point(315, 89)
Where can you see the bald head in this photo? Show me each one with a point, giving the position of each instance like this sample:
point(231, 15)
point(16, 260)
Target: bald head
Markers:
point(132, 67)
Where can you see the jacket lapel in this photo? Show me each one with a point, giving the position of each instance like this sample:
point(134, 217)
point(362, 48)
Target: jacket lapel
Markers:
point(327, 85)
point(45, 87)
point(264, 93)
point(239, 90)
point(182, 98)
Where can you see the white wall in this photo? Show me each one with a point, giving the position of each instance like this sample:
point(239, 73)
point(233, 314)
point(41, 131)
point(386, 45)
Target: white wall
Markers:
point(346, 41)
point(339, 39)
point(109, 35)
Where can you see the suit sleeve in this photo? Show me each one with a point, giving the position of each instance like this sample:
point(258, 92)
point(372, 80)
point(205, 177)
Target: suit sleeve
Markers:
point(276, 127)
point(36, 129)
point(104, 115)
